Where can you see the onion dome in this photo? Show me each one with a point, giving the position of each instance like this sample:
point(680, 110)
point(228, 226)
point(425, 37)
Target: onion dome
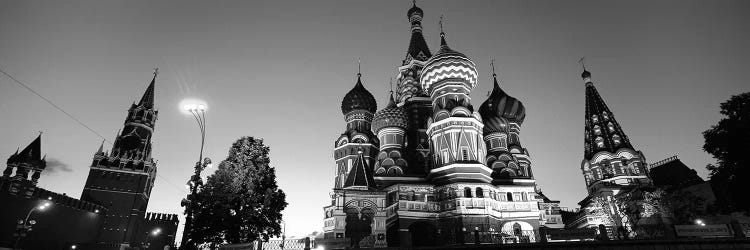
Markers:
point(500, 107)
point(358, 98)
point(390, 116)
point(414, 10)
point(448, 64)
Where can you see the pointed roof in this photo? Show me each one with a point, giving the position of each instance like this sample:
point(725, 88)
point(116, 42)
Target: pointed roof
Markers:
point(31, 154)
point(417, 44)
point(359, 176)
point(148, 97)
point(609, 133)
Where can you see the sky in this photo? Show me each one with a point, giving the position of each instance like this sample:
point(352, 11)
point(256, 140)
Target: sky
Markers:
point(279, 69)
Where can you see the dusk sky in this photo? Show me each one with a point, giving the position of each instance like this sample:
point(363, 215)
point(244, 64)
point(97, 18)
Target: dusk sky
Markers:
point(279, 69)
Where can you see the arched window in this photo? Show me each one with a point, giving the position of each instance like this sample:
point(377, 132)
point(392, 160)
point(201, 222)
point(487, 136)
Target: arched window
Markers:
point(467, 192)
point(517, 229)
point(616, 139)
point(480, 193)
point(509, 196)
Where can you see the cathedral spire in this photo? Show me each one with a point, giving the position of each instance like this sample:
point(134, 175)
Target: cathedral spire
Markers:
point(442, 34)
point(417, 46)
point(603, 132)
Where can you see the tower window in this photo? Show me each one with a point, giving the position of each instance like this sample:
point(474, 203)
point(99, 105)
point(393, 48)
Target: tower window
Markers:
point(465, 153)
point(480, 193)
point(616, 139)
point(467, 192)
point(509, 196)
point(445, 155)
point(599, 142)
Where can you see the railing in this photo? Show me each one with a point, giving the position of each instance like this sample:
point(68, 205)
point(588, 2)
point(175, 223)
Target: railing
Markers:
point(500, 237)
point(467, 203)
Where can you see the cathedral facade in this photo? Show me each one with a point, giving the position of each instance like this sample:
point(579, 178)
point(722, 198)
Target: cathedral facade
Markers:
point(429, 168)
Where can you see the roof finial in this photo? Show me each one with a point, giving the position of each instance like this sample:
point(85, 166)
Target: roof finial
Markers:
point(359, 67)
point(582, 61)
point(442, 34)
point(414, 2)
point(391, 83)
point(492, 63)
point(156, 71)
point(441, 26)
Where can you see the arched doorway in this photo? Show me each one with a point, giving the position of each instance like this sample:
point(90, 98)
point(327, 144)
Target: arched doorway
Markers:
point(423, 234)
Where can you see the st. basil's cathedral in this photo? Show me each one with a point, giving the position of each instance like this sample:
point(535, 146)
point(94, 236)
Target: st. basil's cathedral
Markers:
point(429, 169)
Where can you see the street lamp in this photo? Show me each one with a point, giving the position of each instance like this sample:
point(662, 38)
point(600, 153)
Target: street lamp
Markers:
point(155, 232)
point(199, 113)
point(24, 226)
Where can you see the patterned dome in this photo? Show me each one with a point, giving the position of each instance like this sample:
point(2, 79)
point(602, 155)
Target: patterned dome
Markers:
point(414, 10)
point(500, 108)
point(446, 64)
point(390, 116)
point(358, 98)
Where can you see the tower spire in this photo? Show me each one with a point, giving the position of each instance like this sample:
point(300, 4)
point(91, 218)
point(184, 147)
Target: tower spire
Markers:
point(359, 67)
point(147, 100)
point(442, 34)
point(586, 75)
point(494, 75)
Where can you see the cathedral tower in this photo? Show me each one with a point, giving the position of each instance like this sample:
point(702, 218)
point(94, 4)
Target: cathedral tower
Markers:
point(454, 128)
point(358, 107)
point(28, 161)
point(122, 179)
point(390, 126)
point(413, 98)
point(503, 115)
point(609, 159)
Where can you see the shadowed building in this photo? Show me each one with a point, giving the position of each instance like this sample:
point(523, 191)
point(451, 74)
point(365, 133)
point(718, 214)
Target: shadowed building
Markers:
point(429, 169)
point(123, 178)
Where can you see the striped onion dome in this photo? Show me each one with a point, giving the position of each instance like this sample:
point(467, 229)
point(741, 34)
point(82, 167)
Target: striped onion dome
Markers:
point(448, 64)
point(390, 116)
point(499, 109)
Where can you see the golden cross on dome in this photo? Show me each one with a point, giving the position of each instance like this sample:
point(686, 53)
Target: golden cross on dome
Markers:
point(359, 66)
point(156, 71)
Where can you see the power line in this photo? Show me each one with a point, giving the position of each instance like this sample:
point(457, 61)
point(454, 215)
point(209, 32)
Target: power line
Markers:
point(53, 104)
point(72, 117)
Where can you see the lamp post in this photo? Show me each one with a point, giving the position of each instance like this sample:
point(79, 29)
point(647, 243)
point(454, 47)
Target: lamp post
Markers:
point(24, 226)
point(199, 113)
